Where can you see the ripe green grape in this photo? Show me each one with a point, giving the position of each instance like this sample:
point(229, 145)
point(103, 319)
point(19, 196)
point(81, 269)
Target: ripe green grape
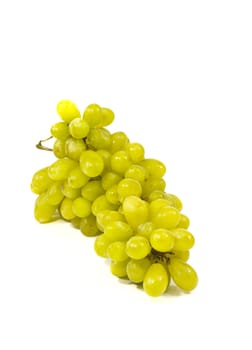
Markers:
point(120, 162)
point(66, 210)
point(119, 141)
point(181, 254)
point(88, 226)
point(101, 203)
point(118, 231)
point(74, 148)
point(99, 138)
point(162, 240)
point(136, 269)
point(59, 148)
point(81, 207)
point(105, 217)
point(156, 205)
point(60, 131)
point(54, 193)
point(156, 194)
point(184, 221)
point(112, 195)
point(92, 190)
point(109, 179)
point(118, 268)
point(135, 152)
point(138, 247)
point(108, 117)
point(183, 275)
point(145, 229)
point(41, 181)
point(154, 167)
point(136, 172)
point(129, 187)
point(43, 211)
point(184, 240)
point(177, 202)
point(135, 210)
point(76, 178)
point(156, 280)
point(69, 191)
point(93, 115)
point(106, 155)
point(78, 128)
point(60, 169)
point(101, 245)
point(76, 222)
point(91, 163)
point(167, 217)
point(153, 184)
point(67, 110)
point(117, 251)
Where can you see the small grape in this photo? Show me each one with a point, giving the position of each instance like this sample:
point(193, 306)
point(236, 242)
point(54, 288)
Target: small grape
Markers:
point(153, 184)
point(101, 245)
point(138, 247)
point(162, 240)
point(129, 187)
point(59, 148)
point(78, 128)
point(99, 138)
point(74, 148)
point(66, 210)
point(60, 131)
point(92, 190)
point(88, 226)
point(105, 217)
point(112, 195)
point(118, 268)
point(135, 210)
point(101, 203)
point(60, 169)
point(91, 163)
point(69, 191)
point(167, 217)
point(118, 231)
point(117, 251)
point(76, 178)
point(67, 110)
point(108, 117)
point(119, 141)
point(43, 211)
point(41, 181)
point(145, 229)
point(184, 276)
point(54, 193)
point(109, 179)
point(184, 221)
point(81, 207)
point(135, 152)
point(136, 269)
point(93, 115)
point(156, 280)
point(154, 166)
point(136, 172)
point(120, 162)
point(184, 240)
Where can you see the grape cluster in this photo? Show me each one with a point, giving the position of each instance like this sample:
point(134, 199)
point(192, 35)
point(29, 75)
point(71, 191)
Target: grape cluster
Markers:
point(103, 184)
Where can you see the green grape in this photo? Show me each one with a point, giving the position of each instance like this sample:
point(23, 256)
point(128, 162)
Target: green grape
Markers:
point(112, 195)
point(60, 131)
point(91, 163)
point(138, 247)
point(154, 167)
point(153, 184)
point(167, 217)
point(145, 229)
point(129, 187)
point(93, 115)
point(41, 181)
point(136, 269)
point(118, 268)
point(67, 110)
point(92, 190)
point(101, 203)
point(184, 240)
point(59, 148)
point(99, 138)
point(120, 162)
point(183, 275)
point(105, 217)
point(81, 207)
point(78, 128)
point(108, 117)
point(156, 194)
point(181, 254)
point(118, 231)
point(60, 169)
point(69, 191)
point(156, 280)
point(162, 240)
point(76, 178)
point(43, 211)
point(76, 222)
point(109, 179)
point(74, 148)
point(88, 226)
point(136, 172)
point(106, 155)
point(136, 211)
point(117, 251)
point(135, 152)
point(184, 221)
point(54, 193)
point(66, 210)
point(177, 202)
point(119, 141)
point(156, 205)
point(101, 245)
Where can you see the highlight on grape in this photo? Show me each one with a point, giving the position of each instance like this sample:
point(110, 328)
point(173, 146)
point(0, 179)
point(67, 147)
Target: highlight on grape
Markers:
point(105, 186)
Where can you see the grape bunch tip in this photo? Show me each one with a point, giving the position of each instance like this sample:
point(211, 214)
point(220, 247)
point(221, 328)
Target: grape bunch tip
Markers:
point(105, 186)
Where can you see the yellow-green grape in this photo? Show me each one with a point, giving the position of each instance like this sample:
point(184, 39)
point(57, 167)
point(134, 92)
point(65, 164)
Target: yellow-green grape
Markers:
point(66, 210)
point(119, 141)
point(101, 203)
point(59, 148)
point(101, 245)
point(154, 166)
point(156, 280)
point(184, 240)
point(136, 172)
point(129, 187)
point(181, 254)
point(88, 226)
point(54, 193)
point(120, 162)
point(118, 231)
point(41, 181)
point(67, 110)
point(135, 152)
point(183, 275)
point(177, 202)
point(118, 268)
point(69, 191)
point(145, 229)
point(78, 128)
point(60, 169)
point(76, 222)
point(76, 178)
point(156, 205)
point(106, 155)
point(136, 269)
point(91, 163)
point(156, 195)
point(60, 131)
point(162, 240)
point(93, 115)
point(138, 247)
point(108, 117)
point(136, 210)
point(184, 221)
point(167, 217)
point(153, 184)
point(109, 179)
point(74, 148)
point(105, 217)
point(92, 190)
point(43, 211)
point(112, 195)
point(81, 207)
point(99, 138)
point(117, 251)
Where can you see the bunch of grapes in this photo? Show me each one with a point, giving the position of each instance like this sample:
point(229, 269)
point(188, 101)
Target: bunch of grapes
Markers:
point(103, 184)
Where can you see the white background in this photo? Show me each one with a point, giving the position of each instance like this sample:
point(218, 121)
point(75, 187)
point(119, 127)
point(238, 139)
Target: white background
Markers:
point(178, 75)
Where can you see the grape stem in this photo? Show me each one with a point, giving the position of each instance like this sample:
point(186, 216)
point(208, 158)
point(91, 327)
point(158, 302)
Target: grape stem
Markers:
point(161, 257)
point(40, 145)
